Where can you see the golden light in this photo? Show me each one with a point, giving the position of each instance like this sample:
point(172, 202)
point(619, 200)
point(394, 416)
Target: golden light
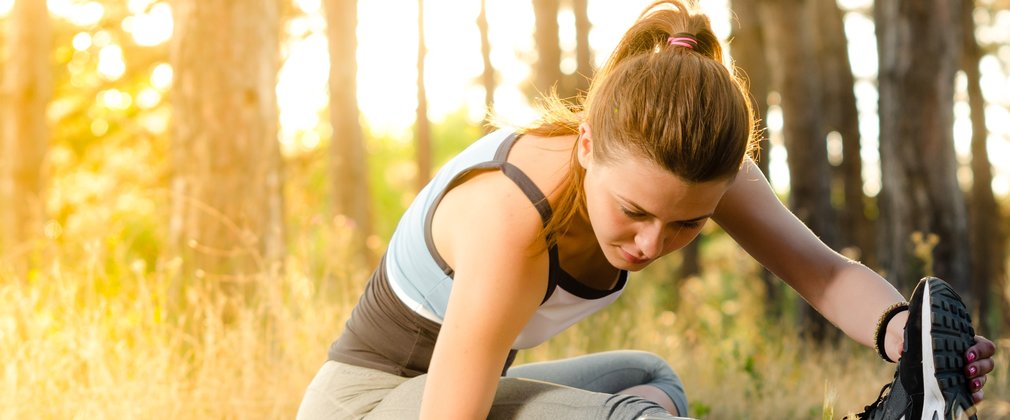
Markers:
point(99, 127)
point(115, 99)
point(387, 55)
point(148, 98)
point(161, 77)
point(302, 83)
point(78, 63)
point(101, 38)
point(78, 13)
point(150, 28)
point(82, 41)
point(110, 62)
point(137, 7)
point(309, 6)
point(157, 120)
point(5, 7)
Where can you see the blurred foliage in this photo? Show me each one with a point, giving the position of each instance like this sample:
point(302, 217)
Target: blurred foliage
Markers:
point(85, 333)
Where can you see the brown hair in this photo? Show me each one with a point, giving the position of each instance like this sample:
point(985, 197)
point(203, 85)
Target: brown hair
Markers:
point(677, 106)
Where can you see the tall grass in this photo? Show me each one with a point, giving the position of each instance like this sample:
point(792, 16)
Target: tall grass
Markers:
point(79, 342)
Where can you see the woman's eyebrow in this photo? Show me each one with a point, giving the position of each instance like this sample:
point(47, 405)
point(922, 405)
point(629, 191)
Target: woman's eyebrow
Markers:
point(645, 212)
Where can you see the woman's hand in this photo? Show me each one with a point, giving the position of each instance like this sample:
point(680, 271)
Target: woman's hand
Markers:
point(980, 363)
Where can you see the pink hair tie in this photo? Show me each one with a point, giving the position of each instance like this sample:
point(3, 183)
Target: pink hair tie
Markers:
point(682, 40)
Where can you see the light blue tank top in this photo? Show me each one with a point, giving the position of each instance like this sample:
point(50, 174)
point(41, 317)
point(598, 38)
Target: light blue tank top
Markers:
point(422, 280)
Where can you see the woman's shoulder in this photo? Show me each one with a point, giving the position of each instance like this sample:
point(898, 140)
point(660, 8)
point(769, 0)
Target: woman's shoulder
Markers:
point(488, 212)
point(487, 199)
point(545, 160)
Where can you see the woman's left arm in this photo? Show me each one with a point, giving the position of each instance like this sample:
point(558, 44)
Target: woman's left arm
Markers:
point(847, 293)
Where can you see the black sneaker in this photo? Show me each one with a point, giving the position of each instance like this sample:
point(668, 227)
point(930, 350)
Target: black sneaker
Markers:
point(930, 383)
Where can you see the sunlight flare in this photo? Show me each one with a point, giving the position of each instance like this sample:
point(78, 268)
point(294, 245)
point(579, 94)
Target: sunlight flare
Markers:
point(82, 41)
point(150, 28)
point(110, 62)
point(82, 14)
point(148, 98)
point(161, 77)
point(116, 99)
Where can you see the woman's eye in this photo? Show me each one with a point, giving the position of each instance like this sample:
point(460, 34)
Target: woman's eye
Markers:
point(632, 214)
point(689, 225)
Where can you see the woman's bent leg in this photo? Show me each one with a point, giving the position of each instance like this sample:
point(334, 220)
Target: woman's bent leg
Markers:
point(525, 399)
point(609, 372)
point(342, 391)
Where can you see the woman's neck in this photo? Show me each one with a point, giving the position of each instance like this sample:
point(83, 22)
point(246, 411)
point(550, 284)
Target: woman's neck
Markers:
point(580, 255)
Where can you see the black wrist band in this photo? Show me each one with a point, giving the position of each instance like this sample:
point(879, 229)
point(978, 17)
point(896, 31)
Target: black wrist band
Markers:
point(881, 333)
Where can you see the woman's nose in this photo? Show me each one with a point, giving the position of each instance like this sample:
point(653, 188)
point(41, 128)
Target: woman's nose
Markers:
point(650, 241)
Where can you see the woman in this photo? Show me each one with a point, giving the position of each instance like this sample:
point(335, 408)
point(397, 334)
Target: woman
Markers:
point(525, 232)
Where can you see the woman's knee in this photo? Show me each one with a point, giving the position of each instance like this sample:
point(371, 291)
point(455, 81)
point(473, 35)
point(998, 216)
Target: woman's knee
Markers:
point(662, 376)
point(651, 362)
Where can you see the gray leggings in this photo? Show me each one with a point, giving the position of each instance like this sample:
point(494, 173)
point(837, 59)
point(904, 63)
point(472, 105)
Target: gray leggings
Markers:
point(583, 387)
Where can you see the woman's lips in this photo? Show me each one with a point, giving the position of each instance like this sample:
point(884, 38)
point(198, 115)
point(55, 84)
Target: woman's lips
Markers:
point(630, 258)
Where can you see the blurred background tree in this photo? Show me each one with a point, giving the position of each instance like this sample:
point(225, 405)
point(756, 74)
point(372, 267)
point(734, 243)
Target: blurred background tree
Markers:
point(26, 87)
point(202, 153)
point(226, 220)
point(790, 34)
point(349, 173)
point(920, 195)
point(988, 239)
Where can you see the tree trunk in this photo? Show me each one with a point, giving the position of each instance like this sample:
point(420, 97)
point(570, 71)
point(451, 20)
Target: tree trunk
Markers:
point(488, 77)
point(841, 116)
point(226, 219)
point(349, 163)
point(748, 51)
point(26, 85)
point(547, 69)
point(422, 129)
point(578, 83)
point(919, 43)
point(795, 75)
point(987, 236)
point(690, 259)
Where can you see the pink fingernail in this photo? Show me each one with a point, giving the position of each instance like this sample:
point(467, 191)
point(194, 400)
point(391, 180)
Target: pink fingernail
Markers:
point(972, 370)
point(976, 383)
point(971, 356)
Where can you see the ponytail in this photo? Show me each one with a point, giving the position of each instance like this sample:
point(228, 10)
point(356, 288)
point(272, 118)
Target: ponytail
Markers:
point(663, 94)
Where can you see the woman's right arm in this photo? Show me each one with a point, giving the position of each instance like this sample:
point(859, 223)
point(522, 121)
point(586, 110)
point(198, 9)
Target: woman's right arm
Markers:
point(487, 231)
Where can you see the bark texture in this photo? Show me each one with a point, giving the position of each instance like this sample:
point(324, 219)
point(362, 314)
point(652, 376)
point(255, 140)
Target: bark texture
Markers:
point(226, 219)
point(795, 75)
point(547, 68)
point(988, 239)
point(919, 42)
point(841, 116)
point(26, 85)
point(348, 160)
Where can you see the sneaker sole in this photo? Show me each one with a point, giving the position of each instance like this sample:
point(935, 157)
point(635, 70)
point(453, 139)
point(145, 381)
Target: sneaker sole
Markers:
point(947, 326)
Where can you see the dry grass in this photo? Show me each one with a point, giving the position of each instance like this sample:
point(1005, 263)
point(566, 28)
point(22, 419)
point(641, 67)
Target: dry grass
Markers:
point(89, 336)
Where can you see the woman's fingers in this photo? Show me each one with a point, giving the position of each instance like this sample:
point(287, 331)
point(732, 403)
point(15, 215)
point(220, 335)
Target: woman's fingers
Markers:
point(982, 349)
point(979, 368)
point(980, 363)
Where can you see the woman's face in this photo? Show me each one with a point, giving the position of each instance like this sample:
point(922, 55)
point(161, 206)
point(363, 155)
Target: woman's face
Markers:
point(640, 211)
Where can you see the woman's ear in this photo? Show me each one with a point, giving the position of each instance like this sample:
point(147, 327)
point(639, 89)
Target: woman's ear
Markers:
point(584, 145)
